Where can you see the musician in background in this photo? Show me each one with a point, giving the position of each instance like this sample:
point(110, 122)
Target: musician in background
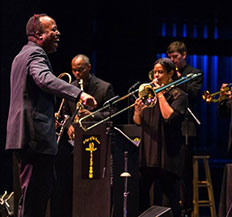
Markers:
point(161, 150)
point(225, 109)
point(177, 52)
point(61, 204)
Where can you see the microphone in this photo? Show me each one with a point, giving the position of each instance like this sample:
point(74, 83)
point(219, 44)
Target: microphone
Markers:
point(133, 86)
point(111, 100)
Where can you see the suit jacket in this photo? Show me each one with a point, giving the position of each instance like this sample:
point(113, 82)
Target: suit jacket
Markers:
point(192, 88)
point(32, 102)
point(99, 89)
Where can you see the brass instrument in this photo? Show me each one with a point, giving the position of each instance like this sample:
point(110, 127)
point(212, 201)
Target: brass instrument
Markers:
point(145, 91)
point(57, 114)
point(79, 103)
point(75, 117)
point(211, 97)
point(81, 84)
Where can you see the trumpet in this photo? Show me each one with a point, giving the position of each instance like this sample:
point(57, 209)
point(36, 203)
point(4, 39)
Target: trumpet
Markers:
point(145, 91)
point(211, 97)
point(57, 114)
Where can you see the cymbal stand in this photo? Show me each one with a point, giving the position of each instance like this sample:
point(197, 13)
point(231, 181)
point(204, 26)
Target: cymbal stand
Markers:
point(125, 175)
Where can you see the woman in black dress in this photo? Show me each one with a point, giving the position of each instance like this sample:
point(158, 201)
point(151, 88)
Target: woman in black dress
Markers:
point(161, 150)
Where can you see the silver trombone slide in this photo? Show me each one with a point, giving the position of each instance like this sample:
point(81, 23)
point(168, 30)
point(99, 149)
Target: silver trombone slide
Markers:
point(180, 81)
point(103, 108)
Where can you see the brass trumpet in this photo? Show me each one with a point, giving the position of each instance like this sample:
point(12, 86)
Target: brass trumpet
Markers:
point(145, 91)
point(57, 114)
point(211, 97)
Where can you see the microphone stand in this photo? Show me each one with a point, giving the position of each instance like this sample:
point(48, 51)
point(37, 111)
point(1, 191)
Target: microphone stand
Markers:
point(108, 131)
point(196, 120)
point(125, 175)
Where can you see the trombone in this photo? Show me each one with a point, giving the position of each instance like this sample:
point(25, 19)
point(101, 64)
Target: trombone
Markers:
point(211, 97)
point(145, 92)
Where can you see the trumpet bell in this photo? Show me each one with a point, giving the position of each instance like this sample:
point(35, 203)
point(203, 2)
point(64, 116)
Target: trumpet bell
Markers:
point(211, 97)
point(147, 94)
point(207, 97)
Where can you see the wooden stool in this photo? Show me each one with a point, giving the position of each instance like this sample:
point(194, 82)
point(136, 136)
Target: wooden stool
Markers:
point(203, 183)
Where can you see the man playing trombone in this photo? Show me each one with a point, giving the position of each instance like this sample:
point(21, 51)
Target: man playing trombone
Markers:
point(161, 150)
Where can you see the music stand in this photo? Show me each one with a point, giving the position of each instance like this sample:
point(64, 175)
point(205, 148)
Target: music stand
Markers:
point(91, 191)
point(126, 139)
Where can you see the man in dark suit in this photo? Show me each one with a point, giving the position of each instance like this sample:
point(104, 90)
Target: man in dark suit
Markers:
point(31, 124)
point(177, 52)
point(101, 90)
point(61, 203)
point(225, 109)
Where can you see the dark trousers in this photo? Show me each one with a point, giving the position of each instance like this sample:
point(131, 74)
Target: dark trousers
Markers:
point(166, 189)
point(37, 176)
point(61, 200)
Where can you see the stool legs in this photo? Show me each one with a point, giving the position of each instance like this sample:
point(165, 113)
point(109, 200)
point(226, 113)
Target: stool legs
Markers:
point(195, 188)
point(202, 183)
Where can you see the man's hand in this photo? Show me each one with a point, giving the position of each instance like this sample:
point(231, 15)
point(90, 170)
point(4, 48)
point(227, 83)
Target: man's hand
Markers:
point(83, 112)
point(88, 100)
point(71, 132)
point(57, 123)
point(225, 92)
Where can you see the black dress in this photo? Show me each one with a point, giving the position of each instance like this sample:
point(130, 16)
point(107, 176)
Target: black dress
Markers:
point(161, 139)
point(162, 151)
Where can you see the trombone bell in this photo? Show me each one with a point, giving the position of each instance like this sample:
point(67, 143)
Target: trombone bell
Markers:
point(147, 94)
